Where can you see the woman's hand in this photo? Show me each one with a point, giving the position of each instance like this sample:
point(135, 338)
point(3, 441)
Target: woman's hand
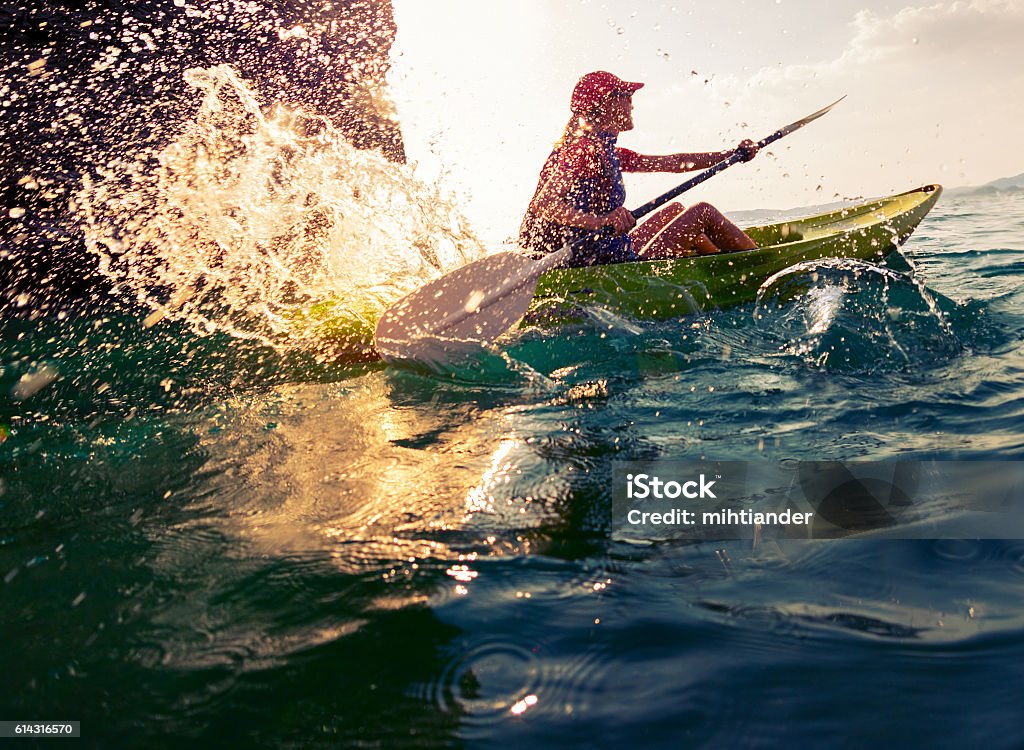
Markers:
point(747, 149)
point(620, 220)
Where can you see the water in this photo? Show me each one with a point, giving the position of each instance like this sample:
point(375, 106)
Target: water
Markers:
point(211, 531)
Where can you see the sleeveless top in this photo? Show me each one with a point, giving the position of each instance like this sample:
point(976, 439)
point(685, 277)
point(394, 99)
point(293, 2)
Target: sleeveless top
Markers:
point(595, 195)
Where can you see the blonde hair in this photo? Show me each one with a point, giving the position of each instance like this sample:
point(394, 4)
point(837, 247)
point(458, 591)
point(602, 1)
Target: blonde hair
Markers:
point(577, 126)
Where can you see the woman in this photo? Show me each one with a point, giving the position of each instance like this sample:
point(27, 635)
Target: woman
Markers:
point(580, 191)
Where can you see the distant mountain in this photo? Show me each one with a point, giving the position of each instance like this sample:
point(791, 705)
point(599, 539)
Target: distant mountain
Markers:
point(1002, 185)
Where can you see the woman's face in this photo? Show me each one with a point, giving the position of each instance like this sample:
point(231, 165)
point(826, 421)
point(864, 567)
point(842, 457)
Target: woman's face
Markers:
point(615, 114)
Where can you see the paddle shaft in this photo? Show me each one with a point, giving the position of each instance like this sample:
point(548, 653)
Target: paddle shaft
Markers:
point(707, 174)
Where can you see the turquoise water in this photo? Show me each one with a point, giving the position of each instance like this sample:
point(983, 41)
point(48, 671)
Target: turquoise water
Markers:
point(203, 541)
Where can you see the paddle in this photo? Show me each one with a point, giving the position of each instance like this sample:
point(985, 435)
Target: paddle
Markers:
point(480, 301)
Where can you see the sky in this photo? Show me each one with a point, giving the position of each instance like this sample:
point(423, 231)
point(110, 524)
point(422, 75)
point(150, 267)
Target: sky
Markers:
point(934, 93)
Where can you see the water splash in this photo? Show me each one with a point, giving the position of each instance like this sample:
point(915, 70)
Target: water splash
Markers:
point(250, 217)
point(852, 316)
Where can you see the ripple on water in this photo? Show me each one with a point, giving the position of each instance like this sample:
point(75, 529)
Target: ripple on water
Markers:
point(578, 682)
point(959, 550)
point(994, 554)
point(486, 684)
point(187, 546)
point(1013, 553)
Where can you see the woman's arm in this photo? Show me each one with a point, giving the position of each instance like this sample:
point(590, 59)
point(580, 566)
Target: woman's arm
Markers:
point(634, 162)
point(672, 162)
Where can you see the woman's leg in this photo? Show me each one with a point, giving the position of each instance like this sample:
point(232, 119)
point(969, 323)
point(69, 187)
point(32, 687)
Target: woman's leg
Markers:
point(700, 229)
point(642, 234)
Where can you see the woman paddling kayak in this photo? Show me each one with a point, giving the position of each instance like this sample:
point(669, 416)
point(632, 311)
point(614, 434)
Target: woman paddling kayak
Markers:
point(580, 191)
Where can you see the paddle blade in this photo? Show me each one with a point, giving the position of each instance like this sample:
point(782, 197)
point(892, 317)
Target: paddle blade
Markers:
point(461, 310)
point(782, 132)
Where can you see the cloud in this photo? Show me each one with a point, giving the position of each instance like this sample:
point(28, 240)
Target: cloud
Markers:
point(934, 95)
point(981, 36)
point(976, 30)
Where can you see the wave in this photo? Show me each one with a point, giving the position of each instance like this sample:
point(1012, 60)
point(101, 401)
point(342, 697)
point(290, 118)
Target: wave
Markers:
point(855, 317)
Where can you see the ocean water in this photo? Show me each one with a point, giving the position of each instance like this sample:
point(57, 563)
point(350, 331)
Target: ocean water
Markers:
point(209, 538)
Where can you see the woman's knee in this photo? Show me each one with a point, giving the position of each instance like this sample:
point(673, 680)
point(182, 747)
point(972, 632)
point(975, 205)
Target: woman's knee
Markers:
point(705, 213)
point(706, 209)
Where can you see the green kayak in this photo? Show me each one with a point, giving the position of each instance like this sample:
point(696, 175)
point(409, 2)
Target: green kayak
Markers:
point(670, 288)
point(680, 286)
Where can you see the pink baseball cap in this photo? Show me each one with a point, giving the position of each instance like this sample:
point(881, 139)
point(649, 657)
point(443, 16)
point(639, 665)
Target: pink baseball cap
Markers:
point(594, 88)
